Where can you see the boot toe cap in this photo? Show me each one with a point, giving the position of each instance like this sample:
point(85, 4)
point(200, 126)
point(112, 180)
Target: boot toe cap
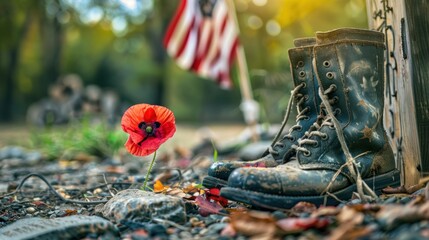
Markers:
point(285, 181)
point(222, 170)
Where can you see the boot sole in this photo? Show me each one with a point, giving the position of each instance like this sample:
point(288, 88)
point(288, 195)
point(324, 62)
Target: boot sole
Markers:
point(276, 202)
point(214, 182)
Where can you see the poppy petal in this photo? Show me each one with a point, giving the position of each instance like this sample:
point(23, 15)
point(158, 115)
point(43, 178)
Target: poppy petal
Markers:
point(164, 115)
point(137, 150)
point(167, 130)
point(150, 115)
point(133, 116)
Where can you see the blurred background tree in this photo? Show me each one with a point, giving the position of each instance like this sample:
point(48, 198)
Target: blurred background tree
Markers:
point(116, 44)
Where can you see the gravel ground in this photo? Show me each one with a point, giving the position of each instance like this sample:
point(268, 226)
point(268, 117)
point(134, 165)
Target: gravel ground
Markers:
point(31, 186)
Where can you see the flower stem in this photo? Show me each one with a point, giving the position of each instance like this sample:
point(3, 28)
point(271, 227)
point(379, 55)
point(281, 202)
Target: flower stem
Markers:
point(148, 171)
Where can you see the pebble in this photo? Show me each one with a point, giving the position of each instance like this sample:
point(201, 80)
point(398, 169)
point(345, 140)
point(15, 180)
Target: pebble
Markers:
point(216, 228)
point(225, 220)
point(156, 230)
point(30, 210)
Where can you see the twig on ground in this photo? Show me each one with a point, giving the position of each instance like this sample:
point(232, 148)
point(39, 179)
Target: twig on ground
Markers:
point(107, 185)
point(171, 223)
point(52, 190)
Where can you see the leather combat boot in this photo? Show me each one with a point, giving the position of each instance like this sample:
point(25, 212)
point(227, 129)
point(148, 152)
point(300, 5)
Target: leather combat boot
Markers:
point(307, 101)
point(348, 65)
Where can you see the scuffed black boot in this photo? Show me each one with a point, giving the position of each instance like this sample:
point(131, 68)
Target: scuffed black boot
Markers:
point(349, 66)
point(308, 102)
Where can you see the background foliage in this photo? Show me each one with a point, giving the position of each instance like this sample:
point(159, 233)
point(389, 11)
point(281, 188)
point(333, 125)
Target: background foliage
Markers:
point(116, 44)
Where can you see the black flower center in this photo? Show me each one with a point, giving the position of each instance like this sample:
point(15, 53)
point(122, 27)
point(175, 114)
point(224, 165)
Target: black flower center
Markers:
point(148, 129)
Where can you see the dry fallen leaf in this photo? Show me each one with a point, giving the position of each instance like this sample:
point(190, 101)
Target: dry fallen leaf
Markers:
point(259, 225)
point(158, 187)
point(303, 207)
point(326, 211)
point(206, 207)
point(350, 216)
point(392, 215)
point(350, 232)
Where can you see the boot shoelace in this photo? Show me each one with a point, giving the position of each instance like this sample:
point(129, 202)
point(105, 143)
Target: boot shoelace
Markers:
point(315, 128)
point(301, 115)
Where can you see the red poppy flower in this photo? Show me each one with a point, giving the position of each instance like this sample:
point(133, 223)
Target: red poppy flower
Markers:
point(148, 127)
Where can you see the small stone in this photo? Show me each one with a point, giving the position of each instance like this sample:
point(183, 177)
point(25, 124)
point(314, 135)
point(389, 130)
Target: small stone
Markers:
point(279, 215)
point(30, 210)
point(185, 235)
point(391, 200)
point(16, 152)
point(142, 206)
point(156, 230)
point(204, 231)
point(225, 220)
point(98, 191)
point(217, 227)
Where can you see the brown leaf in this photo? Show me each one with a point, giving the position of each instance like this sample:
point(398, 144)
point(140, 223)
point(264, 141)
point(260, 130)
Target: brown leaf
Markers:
point(206, 207)
point(326, 211)
point(191, 188)
point(176, 192)
point(254, 224)
point(350, 216)
point(304, 207)
point(70, 212)
point(392, 215)
point(350, 232)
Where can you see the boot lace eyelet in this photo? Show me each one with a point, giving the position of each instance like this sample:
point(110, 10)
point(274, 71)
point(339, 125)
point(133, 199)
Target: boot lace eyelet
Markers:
point(326, 64)
point(332, 127)
point(304, 85)
point(299, 129)
point(306, 153)
point(330, 75)
point(301, 74)
point(324, 137)
point(306, 118)
point(306, 97)
point(300, 64)
point(316, 144)
point(336, 99)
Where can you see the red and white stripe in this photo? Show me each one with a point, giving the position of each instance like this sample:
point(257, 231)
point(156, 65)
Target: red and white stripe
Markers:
point(204, 45)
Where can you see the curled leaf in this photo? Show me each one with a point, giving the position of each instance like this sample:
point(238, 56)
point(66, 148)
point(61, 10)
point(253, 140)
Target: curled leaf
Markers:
point(206, 207)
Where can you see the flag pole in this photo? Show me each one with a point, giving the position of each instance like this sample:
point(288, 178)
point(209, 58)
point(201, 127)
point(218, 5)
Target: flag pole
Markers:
point(249, 106)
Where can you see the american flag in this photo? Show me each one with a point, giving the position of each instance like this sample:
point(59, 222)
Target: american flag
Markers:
point(203, 37)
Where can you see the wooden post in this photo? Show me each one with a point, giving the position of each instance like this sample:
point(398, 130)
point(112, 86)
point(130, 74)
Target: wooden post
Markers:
point(406, 116)
point(244, 81)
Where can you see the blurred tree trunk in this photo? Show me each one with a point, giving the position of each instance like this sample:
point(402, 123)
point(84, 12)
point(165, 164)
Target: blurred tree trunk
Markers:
point(10, 54)
point(158, 23)
point(52, 45)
